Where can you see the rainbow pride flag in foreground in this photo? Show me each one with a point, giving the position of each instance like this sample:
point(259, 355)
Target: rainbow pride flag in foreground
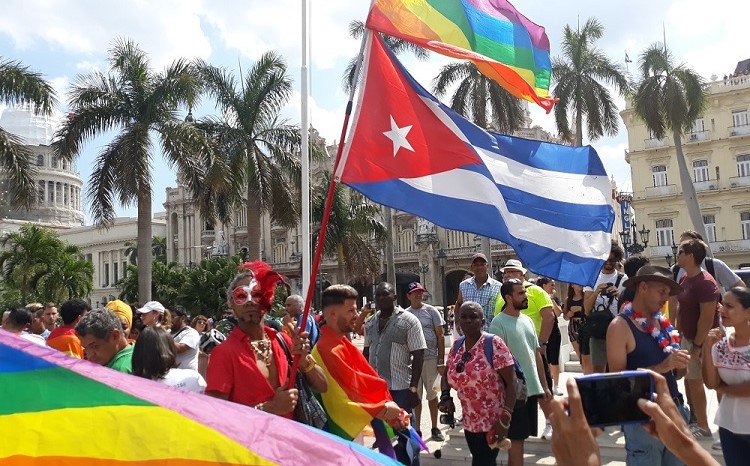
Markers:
point(505, 45)
point(59, 411)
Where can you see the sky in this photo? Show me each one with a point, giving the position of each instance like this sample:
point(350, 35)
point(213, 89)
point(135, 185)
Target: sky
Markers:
point(64, 39)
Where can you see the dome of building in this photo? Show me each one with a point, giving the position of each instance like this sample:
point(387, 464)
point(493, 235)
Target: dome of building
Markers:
point(36, 130)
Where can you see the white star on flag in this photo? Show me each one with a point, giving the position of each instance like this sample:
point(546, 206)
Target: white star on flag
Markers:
point(398, 136)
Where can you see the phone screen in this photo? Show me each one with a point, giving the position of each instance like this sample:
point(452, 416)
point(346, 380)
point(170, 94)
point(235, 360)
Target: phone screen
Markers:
point(612, 399)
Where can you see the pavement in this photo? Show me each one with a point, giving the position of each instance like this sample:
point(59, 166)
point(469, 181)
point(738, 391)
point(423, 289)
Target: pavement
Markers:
point(454, 452)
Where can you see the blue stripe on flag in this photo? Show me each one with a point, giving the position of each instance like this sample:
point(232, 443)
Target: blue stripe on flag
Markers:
point(15, 360)
point(457, 214)
point(560, 214)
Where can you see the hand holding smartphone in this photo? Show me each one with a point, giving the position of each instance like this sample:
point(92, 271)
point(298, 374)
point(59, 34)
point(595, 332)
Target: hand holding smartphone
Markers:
point(612, 399)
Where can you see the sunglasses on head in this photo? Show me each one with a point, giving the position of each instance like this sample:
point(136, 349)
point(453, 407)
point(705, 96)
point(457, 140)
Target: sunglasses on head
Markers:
point(461, 366)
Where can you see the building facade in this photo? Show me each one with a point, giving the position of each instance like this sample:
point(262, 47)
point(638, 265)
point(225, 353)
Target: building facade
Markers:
point(717, 153)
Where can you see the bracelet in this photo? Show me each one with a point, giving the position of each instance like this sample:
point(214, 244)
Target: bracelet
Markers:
point(508, 410)
point(310, 366)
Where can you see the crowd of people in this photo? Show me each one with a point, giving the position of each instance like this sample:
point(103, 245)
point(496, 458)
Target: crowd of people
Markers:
point(503, 364)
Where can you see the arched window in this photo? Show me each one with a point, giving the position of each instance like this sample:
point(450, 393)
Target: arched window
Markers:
point(40, 160)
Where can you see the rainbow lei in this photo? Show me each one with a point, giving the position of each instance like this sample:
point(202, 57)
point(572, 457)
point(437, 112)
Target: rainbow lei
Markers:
point(660, 328)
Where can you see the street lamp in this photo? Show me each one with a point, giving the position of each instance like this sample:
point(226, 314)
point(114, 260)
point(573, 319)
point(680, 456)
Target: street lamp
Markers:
point(442, 257)
point(673, 258)
point(630, 242)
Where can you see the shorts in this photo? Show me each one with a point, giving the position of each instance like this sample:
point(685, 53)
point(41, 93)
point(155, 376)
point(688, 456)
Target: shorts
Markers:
point(584, 340)
point(694, 367)
point(428, 379)
point(574, 326)
point(598, 348)
point(523, 423)
point(553, 346)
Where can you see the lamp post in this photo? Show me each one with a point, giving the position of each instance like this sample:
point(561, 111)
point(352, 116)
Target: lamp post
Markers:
point(630, 241)
point(673, 258)
point(442, 257)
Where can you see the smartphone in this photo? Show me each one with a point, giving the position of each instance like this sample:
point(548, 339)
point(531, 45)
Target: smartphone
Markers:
point(612, 399)
point(372, 305)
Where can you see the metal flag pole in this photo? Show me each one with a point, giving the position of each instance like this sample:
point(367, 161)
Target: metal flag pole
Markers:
point(305, 149)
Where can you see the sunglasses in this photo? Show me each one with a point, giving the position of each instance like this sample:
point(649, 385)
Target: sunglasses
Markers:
point(246, 294)
point(461, 366)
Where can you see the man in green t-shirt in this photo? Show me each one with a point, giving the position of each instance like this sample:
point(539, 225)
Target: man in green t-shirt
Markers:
point(104, 341)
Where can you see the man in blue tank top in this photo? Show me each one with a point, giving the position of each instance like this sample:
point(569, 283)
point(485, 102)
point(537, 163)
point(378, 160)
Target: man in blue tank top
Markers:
point(631, 345)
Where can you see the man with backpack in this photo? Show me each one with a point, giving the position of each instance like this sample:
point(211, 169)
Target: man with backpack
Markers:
point(600, 305)
point(519, 334)
point(717, 268)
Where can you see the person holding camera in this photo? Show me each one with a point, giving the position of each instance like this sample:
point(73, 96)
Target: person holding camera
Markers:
point(642, 338)
point(600, 306)
point(480, 368)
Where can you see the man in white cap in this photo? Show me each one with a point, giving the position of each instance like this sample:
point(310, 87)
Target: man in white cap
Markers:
point(434, 356)
point(540, 311)
point(480, 288)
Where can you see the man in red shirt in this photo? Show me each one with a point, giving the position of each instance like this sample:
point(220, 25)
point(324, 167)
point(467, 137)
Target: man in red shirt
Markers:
point(696, 316)
point(64, 337)
point(251, 366)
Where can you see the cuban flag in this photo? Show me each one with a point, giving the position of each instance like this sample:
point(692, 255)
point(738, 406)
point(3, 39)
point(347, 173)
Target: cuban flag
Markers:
point(550, 203)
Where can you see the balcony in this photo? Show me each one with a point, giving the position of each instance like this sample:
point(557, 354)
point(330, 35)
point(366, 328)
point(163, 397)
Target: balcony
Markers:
point(709, 185)
point(661, 191)
point(653, 143)
point(660, 251)
point(740, 245)
point(739, 181)
point(500, 247)
point(406, 256)
point(697, 136)
point(240, 230)
point(208, 234)
point(740, 130)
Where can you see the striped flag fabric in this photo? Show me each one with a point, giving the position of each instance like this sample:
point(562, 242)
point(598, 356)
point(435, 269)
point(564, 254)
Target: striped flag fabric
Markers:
point(56, 410)
point(550, 203)
point(505, 45)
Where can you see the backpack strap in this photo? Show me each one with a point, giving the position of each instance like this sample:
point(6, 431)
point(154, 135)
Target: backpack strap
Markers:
point(710, 267)
point(675, 271)
point(457, 344)
point(488, 349)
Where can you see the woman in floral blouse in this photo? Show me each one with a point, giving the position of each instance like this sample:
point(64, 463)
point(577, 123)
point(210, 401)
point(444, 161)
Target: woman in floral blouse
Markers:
point(726, 368)
point(486, 388)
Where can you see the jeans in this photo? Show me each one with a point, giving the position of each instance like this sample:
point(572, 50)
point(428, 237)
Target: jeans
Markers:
point(734, 447)
point(644, 450)
point(406, 452)
point(481, 453)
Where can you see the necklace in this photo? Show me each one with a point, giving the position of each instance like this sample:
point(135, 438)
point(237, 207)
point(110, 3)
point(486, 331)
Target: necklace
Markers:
point(659, 328)
point(262, 349)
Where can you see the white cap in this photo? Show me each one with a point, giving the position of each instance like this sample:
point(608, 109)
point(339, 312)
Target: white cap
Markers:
point(150, 307)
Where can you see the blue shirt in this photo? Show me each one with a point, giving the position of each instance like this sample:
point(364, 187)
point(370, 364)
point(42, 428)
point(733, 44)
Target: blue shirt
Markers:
point(311, 328)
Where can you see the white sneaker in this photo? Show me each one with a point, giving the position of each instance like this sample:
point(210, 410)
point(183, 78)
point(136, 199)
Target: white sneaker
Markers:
point(556, 391)
point(716, 445)
point(547, 434)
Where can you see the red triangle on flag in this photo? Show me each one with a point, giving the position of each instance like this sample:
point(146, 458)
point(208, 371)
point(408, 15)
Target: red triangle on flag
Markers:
point(395, 133)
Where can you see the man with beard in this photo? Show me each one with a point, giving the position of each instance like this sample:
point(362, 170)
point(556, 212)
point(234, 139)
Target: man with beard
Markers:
point(251, 367)
point(519, 334)
point(356, 394)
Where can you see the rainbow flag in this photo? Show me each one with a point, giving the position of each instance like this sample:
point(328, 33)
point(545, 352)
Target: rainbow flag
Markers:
point(59, 411)
point(356, 393)
point(505, 45)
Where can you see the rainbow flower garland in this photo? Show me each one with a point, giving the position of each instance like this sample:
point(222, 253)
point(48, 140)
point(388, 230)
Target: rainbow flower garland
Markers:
point(659, 327)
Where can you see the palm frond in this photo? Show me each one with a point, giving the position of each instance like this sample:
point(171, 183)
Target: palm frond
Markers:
point(15, 161)
point(19, 86)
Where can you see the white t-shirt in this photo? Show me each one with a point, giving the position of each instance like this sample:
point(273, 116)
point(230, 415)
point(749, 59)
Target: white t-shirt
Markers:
point(601, 299)
point(188, 359)
point(188, 380)
point(38, 339)
point(733, 364)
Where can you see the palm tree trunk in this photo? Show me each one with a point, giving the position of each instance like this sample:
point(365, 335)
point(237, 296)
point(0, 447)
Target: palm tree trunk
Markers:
point(688, 189)
point(390, 264)
point(144, 245)
point(579, 127)
point(253, 227)
point(340, 260)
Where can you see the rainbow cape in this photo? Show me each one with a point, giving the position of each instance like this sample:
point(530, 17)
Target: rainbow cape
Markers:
point(59, 411)
point(505, 45)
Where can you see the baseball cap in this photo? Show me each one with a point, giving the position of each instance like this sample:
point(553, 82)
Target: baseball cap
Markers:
point(478, 255)
point(150, 307)
point(514, 264)
point(415, 286)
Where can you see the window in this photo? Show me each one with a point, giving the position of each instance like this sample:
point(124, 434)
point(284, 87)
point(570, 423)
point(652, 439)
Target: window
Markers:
point(698, 125)
point(124, 269)
point(710, 222)
point(664, 232)
point(745, 224)
point(40, 196)
point(116, 274)
point(700, 170)
point(743, 165)
point(40, 160)
point(106, 275)
point(659, 173)
point(50, 192)
point(739, 118)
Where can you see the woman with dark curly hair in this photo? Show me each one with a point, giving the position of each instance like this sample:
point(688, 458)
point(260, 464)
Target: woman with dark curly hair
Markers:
point(155, 356)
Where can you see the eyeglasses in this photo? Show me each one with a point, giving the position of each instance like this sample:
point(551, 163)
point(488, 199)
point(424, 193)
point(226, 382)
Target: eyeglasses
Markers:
point(462, 363)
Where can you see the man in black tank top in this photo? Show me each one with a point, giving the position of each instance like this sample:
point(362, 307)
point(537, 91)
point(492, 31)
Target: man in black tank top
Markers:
point(630, 346)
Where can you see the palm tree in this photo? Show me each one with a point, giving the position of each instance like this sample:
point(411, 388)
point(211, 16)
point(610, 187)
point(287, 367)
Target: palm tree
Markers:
point(357, 30)
point(580, 78)
point(141, 105)
point(479, 98)
point(68, 277)
point(27, 256)
point(204, 286)
point(158, 250)
point(258, 148)
point(670, 97)
point(354, 231)
point(20, 86)
point(168, 279)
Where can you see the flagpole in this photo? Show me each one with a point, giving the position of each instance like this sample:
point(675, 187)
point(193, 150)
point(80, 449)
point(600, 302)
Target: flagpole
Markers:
point(305, 151)
point(329, 202)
